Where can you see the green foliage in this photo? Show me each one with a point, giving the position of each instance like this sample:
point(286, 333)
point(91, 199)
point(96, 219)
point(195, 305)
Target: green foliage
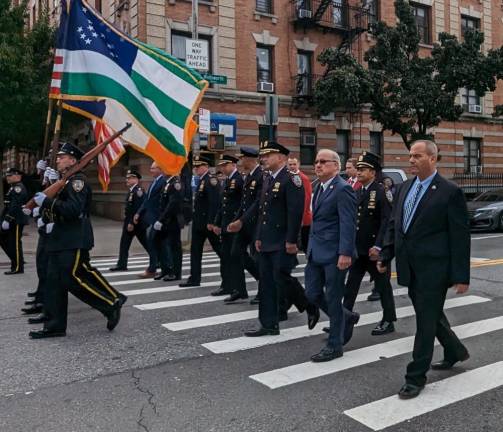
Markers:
point(406, 93)
point(25, 73)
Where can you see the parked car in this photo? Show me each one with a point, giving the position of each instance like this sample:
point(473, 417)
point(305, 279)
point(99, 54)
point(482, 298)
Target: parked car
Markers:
point(397, 175)
point(486, 211)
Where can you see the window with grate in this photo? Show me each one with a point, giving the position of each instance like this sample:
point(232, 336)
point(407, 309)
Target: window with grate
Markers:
point(472, 154)
point(264, 6)
point(264, 63)
point(304, 83)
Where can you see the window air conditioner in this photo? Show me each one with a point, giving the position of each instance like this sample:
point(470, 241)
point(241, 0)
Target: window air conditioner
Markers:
point(265, 87)
point(304, 13)
point(475, 109)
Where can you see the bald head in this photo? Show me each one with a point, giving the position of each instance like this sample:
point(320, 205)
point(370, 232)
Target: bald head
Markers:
point(423, 156)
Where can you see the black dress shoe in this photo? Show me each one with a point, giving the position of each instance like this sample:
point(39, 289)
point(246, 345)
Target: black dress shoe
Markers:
point(326, 329)
point(44, 333)
point(117, 268)
point(29, 302)
point(38, 320)
point(122, 299)
point(170, 278)
point(255, 301)
point(235, 296)
point(313, 316)
point(326, 354)
point(262, 332)
point(160, 276)
point(219, 292)
point(12, 272)
point(189, 283)
point(374, 296)
point(382, 328)
point(114, 316)
point(409, 391)
point(448, 364)
point(350, 324)
point(33, 310)
point(32, 294)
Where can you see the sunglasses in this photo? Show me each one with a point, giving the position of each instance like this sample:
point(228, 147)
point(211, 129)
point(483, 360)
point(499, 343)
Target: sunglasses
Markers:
point(323, 161)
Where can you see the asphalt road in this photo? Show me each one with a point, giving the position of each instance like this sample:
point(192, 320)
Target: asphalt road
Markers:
point(196, 373)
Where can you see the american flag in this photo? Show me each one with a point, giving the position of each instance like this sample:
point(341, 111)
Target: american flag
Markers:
point(108, 157)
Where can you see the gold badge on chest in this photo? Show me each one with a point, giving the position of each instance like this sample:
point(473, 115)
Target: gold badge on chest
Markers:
point(253, 183)
point(276, 187)
point(372, 200)
point(233, 184)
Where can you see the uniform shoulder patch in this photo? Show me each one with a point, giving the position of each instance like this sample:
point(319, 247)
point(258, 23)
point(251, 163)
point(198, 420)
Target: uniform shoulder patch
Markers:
point(77, 185)
point(139, 193)
point(17, 189)
point(213, 181)
point(297, 181)
point(178, 186)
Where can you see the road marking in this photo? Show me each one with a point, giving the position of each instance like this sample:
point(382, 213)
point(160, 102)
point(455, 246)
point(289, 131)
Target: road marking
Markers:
point(478, 260)
point(240, 316)
point(129, 273)
point(487, 237)
point(114, 259)
point(305, 371)
point(390, 411)
point(137, 263)
point(492, 262)
point(246, 343)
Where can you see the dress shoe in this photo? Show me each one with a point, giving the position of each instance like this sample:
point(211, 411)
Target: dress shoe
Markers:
point(255, 301)
point(12, 272)
point(326, 354)
point(448, 364)
point(313, 316)
point(235, 296)
point(382, 328)
point(38, 320)
point(32, 294)
point(114, 316)
point(29, 302)
point(117, 268)
point(146, 275)
point(171, 278)
point(121, 299)
point(350, 324)
point(374, 296)
point(262, 332)
point(326, 329)
point(219, 292)
point(44, 333)
point(160, 276)
point(409, 391)
point(33, 310)
point(189, 283)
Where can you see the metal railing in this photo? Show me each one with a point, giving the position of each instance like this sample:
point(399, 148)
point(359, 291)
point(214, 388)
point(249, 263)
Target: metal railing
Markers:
point(476, 183)
point(304, 84)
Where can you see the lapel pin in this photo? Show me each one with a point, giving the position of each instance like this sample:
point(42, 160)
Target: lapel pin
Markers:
point(331, 186)
point(433, 187)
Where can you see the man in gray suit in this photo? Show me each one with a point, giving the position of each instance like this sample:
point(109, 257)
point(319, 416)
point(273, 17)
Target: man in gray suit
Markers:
point(331, 248)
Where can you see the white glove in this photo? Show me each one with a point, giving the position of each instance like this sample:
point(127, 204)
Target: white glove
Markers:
point(158, 226)
point(52, 174)
point(39, 198)
point(5, 225)
point(49, 227)
point(36, 212)
point(27, 211)
point(40, 223)
point(41, 165)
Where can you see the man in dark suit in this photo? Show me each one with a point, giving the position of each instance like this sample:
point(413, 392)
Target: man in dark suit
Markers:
point(330, 251)
point(148, 214)
point(374, 210)
point(134, 200)
point(429, 235)
point(278, 227)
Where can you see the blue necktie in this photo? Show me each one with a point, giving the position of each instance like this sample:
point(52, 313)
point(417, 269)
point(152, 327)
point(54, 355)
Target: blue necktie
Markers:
point(408, 211)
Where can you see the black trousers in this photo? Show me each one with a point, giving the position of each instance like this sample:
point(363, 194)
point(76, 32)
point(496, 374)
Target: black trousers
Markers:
point(232, 268)
point(244, 248)
point(199, 236)
point(41, 261)
point(304, 237)
point(70, 270)
point(173, 243)
point(125, 243)
point(382, 283)
point(159, 252)
point(10, 242)
point(428, 298)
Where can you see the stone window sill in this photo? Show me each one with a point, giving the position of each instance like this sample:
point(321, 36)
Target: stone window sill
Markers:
point(258, 15)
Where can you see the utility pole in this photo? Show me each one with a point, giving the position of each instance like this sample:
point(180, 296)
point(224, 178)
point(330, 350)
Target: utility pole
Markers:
point(195, 18)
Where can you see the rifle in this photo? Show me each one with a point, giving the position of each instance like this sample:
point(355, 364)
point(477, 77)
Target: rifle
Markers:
point(56, 187)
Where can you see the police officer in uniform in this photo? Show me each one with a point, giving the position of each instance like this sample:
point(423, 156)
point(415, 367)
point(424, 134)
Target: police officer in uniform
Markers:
point(374, 210)
point(13, 221)
point(168, 228)
point(245, 222)
point(233, 276)
point(280, 217)
point(68, 243)
point(134, 200)
point(206, 203)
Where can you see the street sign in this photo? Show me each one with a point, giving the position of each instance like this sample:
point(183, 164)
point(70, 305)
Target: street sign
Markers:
point(204, 121)
point(196, 54)
point(215, 79)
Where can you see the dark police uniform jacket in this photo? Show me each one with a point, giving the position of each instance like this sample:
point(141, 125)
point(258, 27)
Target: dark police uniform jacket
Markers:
point(280, 211)
point(134, 200)
point(171, 215)
point(15, 198)
point(231, 201)
point(69, 211)
point(374, 210)
point(248, 210)
point(206, 202)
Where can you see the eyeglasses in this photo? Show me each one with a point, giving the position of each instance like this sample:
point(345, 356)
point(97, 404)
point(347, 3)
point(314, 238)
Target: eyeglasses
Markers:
point(322, 161)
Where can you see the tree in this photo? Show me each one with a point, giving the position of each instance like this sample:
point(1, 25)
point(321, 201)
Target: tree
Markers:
point(406, 93)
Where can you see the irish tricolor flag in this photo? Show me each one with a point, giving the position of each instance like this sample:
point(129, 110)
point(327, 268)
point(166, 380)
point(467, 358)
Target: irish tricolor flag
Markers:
point(128, 81)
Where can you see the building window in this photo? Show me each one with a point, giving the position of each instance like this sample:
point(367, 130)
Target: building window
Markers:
point(338, 13)
point(470, 101)
point(304, 84)
point(97, 5)
point(178, 42)
point(264, 6)
point(263, 134)
point(472, 154)
point(469, 23)
point(372, 8)
point(422, 18)
point(342, 145)
point(264, 64)
point(376, 143)
point(307, 146)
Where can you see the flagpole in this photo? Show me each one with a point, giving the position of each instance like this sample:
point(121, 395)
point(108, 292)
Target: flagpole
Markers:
point(57, 132)
point(47, 126)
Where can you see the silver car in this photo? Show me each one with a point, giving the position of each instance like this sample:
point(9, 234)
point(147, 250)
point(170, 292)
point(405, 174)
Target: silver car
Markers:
point(486, 211)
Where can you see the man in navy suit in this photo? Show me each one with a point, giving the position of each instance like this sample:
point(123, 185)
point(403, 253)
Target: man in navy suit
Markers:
point(331, 248)
point(148, 214)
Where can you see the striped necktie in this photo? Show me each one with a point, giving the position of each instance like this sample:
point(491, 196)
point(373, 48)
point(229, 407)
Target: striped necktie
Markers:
point(408, 211)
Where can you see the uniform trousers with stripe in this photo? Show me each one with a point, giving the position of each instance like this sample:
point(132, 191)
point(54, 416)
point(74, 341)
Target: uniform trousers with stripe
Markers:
point(11, 243)
point(70, 270)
